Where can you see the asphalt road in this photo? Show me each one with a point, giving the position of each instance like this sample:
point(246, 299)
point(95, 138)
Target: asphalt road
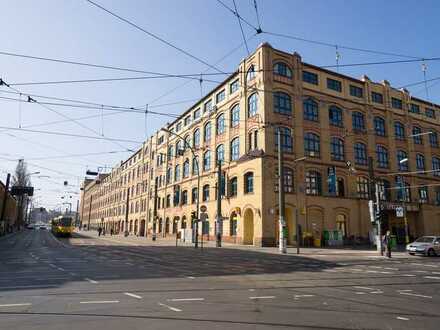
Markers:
point(90, 283)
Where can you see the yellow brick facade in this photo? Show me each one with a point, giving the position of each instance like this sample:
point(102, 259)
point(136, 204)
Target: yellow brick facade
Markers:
point(251, 217)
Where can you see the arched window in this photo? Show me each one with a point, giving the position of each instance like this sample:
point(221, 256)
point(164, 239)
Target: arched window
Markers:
point(233, 187)
point(207, 160)
point(384, 189)
point(417, 137)
point(281, 69)
point(249, 183)
point(196, 138)
point(360, 153)
point(177, 173)
point(250, 74)
point(288, 180)
point(187, 144)
point(179, 148)
point(169, 175)
point(205, 195)
point(436, 166)
point(184, 197)
point(220, 124)
point(286, 138)
point(335, 116)
point(170, 152)
point(194, 195)
point(358, 121)
point(311, 110)
point(404, 191)
point(402, 165)
point(379, 126)
point(399, 130)
point(235, 149)
point(313, 183)
point(235, 115)
point(362, 187)
point(312, 145)
point(220, 154)
point(433, 139)
point(420, 162)
point(282, 103)
point(186, 168)
point(382, 156)
point(252, 105)
point(195, 166)
point(207, 132)
point(337, 149)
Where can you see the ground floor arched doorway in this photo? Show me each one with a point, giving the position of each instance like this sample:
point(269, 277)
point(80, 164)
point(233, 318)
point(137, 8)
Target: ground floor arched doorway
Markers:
point(248, 227)
point(142, 228)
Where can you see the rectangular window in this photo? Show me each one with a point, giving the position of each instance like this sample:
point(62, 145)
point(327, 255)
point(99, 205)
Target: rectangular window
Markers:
point(160, 140)
point(310, 77)
point(235, 85)
point(196, 114)
point(414, 108)
point(207, 106)
point(396, 103)
point(220, 96)
point(335, 85)
point(179, 126)
point(356, 91)
point(187, 120)
point(430, 113)
point(377, 97)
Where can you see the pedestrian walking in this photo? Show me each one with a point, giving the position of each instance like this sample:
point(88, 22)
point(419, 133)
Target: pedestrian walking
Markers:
point(111, 232)
point(99, 231)
point(387, 244)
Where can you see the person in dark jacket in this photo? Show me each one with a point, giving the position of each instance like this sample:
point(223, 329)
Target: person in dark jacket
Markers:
point(387, 244)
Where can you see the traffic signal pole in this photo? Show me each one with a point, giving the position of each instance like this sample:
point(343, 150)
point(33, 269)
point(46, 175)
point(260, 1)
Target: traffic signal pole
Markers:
point(219, 205)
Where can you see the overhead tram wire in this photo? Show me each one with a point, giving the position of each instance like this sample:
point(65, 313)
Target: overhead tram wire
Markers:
point(257, 15)
point(235, 13)
point(198, 59)
point(241, 28)
point(31, 100)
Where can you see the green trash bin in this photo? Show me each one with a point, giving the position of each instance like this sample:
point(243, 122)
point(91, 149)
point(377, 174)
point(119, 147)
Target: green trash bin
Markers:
point(393, 241)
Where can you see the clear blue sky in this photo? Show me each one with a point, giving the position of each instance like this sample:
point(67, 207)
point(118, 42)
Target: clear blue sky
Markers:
point(76, 30)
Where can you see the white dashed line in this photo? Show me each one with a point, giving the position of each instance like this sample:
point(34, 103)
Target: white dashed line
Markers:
point(190, 277)
point(402, 318)
point(409, 275)
point(186, 299)
point(415, 295)
point(360, 293)
point(174, 309)
point(132, 295)
point(262, 297)
point(52, 265)
point(100, 302)
point(91, 281)
point(61, 269)
point(364, 288)
point(16, 305)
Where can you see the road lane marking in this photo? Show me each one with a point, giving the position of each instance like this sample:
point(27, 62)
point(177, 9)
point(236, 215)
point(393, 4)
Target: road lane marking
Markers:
point(409, 275)
point(391, 268)
point(360, 293)
point(132, 295)
point(186, 299)
point(174, 309)
point(432, 277)
point(62, 269)
point(100, 302)
point(91, 281)
point(303, 296)
point(402, 318)
point(364, 288)
point(16, 305)
point(415, 295)
point(190, 277)
point(421, 271)
point(262, 297)
point(52, 265)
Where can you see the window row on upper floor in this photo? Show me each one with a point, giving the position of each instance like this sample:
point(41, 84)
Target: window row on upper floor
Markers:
point(358, 92)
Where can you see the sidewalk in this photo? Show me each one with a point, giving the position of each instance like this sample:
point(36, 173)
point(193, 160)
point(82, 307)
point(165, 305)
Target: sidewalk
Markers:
point(171, 241)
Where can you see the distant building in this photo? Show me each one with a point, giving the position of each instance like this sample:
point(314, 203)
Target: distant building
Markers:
point(10, 213)
point(328, 117)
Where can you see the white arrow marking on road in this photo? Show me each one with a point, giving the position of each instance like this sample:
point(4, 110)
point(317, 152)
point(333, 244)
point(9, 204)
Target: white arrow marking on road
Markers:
point(132, 295)
point(16, 305)
point(100, 302)
point(432, 277)
point(186, 299)
point(174, 309)
point(91, 281)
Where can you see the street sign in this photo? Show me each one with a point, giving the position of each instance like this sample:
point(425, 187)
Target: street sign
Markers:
point(20, 191)
point(399, 212)
point(203, 208)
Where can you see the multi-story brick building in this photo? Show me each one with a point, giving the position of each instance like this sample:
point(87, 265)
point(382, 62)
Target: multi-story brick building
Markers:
point(327, 117)
point(10, 212)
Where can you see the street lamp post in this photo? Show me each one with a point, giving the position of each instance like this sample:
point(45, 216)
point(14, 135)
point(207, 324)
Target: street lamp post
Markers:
point(405, 219)
point(297, 207)
point(196, 243)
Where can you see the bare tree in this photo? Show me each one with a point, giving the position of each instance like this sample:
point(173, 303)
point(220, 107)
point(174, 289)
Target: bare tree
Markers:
point(21, 178)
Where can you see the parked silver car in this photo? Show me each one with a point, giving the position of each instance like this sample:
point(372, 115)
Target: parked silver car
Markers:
point(426, 245)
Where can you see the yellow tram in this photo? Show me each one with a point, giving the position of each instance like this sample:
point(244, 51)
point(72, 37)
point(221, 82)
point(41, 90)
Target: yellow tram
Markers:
point(62, 226)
